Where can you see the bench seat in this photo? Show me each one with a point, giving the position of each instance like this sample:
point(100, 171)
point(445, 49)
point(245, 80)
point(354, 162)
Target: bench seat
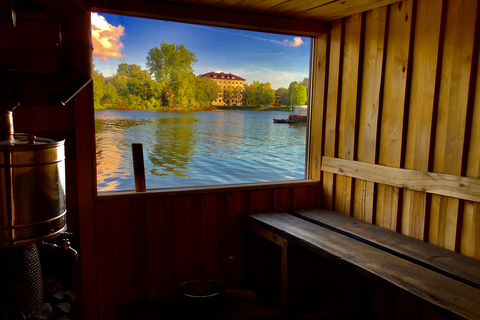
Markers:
point(449, 263)
point(367, 260)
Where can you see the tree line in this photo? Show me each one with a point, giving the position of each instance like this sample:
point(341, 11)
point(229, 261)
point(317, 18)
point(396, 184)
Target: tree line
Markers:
point(170, 82)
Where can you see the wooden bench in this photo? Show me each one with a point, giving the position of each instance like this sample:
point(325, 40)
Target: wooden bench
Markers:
point(445, 279)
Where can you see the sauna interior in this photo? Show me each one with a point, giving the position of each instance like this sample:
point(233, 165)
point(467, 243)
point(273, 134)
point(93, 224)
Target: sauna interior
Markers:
point(393, 141)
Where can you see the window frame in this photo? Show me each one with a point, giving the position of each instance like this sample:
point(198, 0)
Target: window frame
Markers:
point(235, 20)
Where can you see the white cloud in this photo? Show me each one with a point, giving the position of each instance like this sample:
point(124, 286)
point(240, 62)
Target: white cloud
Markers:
point(295, 43)
point(106, 38)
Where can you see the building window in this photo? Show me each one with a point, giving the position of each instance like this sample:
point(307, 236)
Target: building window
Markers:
point(195, 148)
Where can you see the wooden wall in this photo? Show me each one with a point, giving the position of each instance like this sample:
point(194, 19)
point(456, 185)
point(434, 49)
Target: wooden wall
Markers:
point(402, 89)
point(146, 245)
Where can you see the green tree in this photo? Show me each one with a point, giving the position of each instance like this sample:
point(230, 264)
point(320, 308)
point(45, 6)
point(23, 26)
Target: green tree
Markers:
point(298, 94)
point(171, 65)
point(259, 93)
point(227, 97)
point(206, 91)
point(98, 87)
point(282, 96)
point(111, 95)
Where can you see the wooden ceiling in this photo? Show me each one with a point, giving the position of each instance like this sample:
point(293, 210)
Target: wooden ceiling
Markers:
point(317, 10)
point(296, 17)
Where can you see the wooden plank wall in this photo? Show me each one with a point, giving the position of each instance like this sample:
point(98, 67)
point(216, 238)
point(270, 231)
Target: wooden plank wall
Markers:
point(146, 246)
point(404, 91)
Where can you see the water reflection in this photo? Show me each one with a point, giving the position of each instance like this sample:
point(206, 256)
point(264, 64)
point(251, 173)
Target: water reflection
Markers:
point(197, 148)
point(172, 146)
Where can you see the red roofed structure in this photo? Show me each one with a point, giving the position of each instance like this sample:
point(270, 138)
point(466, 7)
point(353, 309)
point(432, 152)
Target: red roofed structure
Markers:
point(227, 82)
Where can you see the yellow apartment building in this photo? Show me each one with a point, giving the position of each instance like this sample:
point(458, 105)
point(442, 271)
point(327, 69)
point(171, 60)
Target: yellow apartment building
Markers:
point(226, 81)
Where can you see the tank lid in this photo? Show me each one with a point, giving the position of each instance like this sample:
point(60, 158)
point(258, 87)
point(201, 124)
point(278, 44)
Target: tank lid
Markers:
point(24, 140)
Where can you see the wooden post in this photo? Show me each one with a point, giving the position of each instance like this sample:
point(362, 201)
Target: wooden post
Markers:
point(138, 167)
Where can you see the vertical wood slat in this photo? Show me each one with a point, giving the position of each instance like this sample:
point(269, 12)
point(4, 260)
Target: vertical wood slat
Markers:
point(470, 239)
point(299, 197)
point(425, 70)
point(161, 266)
point(393, 110)
point(104, 251)
point(139, 247)
point(124, 273)
point(333, 99)
point(320, 70)
point(261, 200)
point(214, 239)
point(237, 203)
point(452, 115)
point(373, 68)
point(87, 217)
point(348, 107)
point(282, 199)
point(188, 238)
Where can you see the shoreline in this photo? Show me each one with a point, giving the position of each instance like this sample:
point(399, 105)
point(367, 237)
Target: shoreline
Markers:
point(209, 108)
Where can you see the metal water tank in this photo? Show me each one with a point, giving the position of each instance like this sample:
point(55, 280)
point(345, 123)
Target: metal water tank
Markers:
point(32, 186)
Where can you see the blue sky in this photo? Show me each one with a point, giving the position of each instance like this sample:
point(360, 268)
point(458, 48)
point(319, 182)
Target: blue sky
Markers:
point(264, 57)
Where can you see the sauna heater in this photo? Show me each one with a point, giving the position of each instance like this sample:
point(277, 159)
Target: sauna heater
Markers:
point(32, 210)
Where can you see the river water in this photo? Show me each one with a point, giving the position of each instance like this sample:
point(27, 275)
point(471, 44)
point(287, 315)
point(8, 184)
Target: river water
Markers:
point(197, 148)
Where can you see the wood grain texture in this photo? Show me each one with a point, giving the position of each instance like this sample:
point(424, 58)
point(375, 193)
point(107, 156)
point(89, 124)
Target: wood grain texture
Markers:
point(470, 239)
point(214, 228)
point(370, 106)
point(349, 100)
point(394, 108)
point(333, 103)
point(237, 203)
point(422, 110)
point(188, 238)
point(439, 290)
point(86, 179)
point(451, 264)
point(282, 199)
point(436, 183)
point(450, 132)
point(318, 106)
point(161, 271)
point(338, 9)
point(261, 200)
point(125, 275)
point(214, 15)
point(105, 268)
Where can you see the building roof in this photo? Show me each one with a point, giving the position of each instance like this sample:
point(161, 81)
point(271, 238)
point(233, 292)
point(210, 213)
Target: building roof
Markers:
point(221, 75)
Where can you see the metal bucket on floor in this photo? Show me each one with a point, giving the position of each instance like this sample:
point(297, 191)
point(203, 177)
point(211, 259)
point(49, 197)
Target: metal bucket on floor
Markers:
point(200, 299)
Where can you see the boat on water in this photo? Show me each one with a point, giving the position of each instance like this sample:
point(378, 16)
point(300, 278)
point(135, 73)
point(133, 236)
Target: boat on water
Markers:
point(299, 115)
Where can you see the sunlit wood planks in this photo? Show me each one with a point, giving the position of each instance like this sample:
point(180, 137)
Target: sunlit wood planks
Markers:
point(332, 105)
point(347, 132)
point(370, 105)
point(317, 123)
point(418, 110)
point(469, 237)
point(422, 110)
point(436, 183)
point(452, 115)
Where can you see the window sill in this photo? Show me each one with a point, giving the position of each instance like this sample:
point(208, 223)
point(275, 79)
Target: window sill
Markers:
point(154, 193)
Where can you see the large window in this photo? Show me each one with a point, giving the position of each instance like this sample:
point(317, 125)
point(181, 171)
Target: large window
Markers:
point(155, 83)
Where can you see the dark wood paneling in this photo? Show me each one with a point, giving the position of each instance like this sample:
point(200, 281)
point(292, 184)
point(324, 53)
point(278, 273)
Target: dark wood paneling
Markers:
point(146, 246)
point(188, 238)
point(105, 263)
point(161, 273)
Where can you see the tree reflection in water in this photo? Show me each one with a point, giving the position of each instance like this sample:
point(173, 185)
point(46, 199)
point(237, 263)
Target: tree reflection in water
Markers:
point(111, 161)
point(174, 142)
